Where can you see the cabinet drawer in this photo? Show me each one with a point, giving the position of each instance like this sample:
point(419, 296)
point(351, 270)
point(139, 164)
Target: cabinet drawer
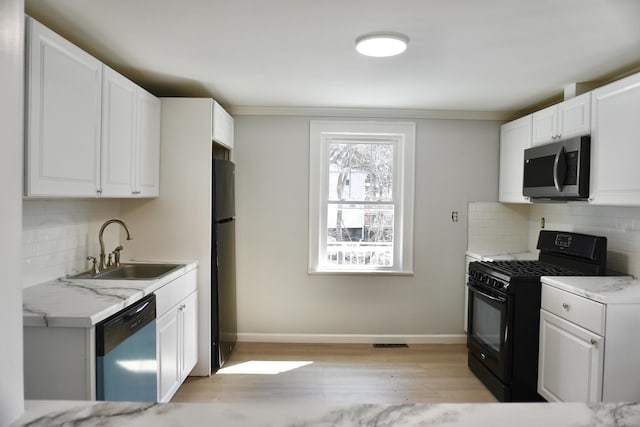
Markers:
point(175, 291)
point(581, 311)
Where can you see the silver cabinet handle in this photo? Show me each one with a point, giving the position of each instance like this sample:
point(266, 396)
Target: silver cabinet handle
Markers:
point(594, 341)
point(565, 306)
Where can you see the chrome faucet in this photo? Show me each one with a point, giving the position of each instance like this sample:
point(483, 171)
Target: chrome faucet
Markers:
point(102, 254)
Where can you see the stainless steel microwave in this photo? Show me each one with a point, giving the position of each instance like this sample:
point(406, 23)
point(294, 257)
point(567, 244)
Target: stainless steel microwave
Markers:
point(558, 171)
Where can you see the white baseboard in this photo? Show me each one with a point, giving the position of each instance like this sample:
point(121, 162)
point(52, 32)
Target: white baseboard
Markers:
point(353, 338)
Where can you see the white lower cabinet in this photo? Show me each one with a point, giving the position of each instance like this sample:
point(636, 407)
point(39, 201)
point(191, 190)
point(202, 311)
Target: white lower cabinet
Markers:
point(177, 331)
point(588, 352)
point(570, 361)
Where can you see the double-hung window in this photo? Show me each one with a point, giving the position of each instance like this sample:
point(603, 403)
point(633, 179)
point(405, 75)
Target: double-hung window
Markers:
point(361, 195)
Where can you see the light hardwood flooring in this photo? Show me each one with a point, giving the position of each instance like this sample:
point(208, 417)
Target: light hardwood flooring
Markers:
point(344, 373)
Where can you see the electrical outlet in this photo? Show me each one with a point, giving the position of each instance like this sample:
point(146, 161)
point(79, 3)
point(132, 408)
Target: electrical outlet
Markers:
point(542, 222)
point(454, 216)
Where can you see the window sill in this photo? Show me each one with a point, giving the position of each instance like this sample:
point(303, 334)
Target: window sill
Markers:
point(361, 272)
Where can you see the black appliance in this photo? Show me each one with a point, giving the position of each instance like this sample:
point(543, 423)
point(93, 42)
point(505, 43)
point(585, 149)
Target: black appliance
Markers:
point(504, 310)
point(126, 342)
point(558, 171)
point(223, 264)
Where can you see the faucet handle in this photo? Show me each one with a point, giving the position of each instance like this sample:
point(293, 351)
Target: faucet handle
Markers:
point(116, 254)
point(94, 267)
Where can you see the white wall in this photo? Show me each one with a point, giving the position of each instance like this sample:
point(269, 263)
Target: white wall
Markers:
point(456, 161)
point(11, 108)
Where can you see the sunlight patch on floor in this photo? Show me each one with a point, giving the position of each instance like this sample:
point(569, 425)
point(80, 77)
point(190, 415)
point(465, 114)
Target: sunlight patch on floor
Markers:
point(263, 367)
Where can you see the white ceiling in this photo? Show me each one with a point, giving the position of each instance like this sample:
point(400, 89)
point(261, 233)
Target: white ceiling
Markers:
point(473, 55)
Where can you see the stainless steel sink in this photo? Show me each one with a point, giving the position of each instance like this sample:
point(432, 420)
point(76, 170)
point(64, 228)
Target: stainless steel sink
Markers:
point(132, 272)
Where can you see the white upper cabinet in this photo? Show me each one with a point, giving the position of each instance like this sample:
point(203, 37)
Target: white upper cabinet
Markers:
point(119, 98)
point(147, 172)
point(615, 143)
point(64, 87)
point(91, 132)
point(561, 121)
point(515, 137)
point(222, 128)
point(130, 138)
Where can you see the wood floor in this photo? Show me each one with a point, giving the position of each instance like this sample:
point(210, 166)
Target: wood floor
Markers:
point(343, 373)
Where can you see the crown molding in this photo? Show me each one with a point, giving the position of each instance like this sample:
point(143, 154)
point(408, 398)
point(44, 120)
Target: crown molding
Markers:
point(241, 110)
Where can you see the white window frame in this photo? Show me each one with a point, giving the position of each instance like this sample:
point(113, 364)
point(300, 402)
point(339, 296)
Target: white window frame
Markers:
point(403, 135)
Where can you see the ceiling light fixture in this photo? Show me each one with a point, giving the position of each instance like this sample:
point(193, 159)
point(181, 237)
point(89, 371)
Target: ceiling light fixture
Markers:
point(382, 44)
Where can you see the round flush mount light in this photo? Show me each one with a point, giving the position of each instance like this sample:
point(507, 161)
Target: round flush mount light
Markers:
point(382, 44)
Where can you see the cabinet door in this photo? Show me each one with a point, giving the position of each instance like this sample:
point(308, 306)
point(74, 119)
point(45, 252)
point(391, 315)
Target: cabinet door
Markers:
point(189, 329)
point(515, 136)
point(168, 344)
point(575, 116)
point(561, 121)
point(545, 125)
point(119, 97)
point(615, 143)
point(64, 86)
point(570, 361)
point(222, 130)
point(148, 151)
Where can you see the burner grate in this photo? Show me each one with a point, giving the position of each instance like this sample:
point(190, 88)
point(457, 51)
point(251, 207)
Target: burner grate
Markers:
point(533, 268)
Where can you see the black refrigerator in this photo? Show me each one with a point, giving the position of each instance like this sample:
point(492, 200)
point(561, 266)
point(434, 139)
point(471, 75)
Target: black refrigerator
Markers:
point(223, 264)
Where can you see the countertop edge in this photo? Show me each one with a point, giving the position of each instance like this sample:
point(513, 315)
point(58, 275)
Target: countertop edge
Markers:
point(136, 289)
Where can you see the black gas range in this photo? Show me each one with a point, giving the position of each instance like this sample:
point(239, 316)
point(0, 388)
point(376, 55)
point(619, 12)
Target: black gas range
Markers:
point(504, 310)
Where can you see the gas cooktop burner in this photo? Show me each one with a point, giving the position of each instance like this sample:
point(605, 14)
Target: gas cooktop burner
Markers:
point(532, 269)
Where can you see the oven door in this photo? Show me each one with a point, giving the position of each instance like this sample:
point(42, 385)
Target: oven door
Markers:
point(489, 329)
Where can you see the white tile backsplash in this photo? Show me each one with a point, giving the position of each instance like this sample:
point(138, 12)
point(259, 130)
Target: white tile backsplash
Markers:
point(58, 235)
point(499, 227)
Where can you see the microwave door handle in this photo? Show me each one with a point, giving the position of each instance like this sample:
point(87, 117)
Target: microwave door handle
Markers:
point(559, 170)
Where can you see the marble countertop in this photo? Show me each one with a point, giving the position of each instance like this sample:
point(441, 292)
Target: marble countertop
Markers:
point(67, 413)
point(81, 303)
point(499, 256)
point(604, 289)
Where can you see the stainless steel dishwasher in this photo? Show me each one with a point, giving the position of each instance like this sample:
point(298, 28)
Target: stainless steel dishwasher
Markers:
point(126, 363)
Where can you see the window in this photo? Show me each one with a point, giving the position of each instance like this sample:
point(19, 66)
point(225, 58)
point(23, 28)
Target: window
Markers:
point(361, 188)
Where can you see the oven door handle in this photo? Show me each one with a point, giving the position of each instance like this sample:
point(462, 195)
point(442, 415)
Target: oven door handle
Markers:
point(491, 297)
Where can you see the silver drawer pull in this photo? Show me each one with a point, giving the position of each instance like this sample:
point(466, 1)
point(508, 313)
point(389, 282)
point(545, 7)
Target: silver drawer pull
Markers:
point(565, 306)
point(594, 341)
